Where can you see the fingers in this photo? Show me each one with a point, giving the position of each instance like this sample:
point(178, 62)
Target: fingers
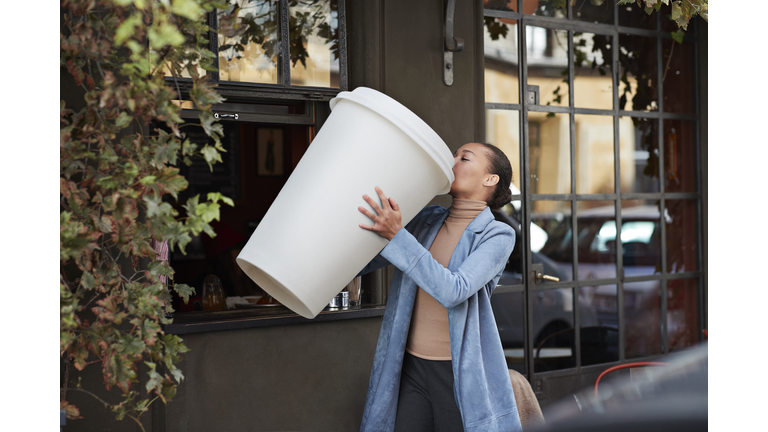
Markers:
point(384, 200)
point(394, 204)
point(372, 203)
point(368, 213)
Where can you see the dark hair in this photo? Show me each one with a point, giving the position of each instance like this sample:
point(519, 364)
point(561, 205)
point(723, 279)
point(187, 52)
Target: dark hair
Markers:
point(498, 164)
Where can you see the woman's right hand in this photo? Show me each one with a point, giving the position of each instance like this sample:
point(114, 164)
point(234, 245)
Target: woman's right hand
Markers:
point(387, 219)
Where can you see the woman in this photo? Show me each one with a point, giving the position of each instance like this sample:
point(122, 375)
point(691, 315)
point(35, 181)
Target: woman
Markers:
point(439, 364)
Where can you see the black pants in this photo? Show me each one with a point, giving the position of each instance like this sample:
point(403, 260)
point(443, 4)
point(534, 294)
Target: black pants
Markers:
point(426, 401)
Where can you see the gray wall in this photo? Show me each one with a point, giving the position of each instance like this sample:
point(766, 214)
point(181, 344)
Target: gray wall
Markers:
point(307, 377)
point(396, 47)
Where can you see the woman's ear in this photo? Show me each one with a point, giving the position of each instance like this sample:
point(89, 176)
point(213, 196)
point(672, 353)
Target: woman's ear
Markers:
point(491, 180)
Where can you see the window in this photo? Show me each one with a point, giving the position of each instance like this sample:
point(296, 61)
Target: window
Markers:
point(594, 106)
point(280, 45)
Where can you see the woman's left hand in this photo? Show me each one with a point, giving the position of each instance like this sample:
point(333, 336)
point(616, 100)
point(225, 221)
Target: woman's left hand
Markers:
point(387, 220)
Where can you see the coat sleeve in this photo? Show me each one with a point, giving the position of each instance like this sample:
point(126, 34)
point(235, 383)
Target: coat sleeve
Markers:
point(379, 261)
point(447, 287)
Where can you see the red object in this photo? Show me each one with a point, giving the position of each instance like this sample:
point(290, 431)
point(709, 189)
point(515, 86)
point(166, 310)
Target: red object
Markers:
point(706, 335)
point(625, 366)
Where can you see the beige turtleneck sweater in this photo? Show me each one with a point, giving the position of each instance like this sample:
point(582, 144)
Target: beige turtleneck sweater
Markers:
point(428, 335)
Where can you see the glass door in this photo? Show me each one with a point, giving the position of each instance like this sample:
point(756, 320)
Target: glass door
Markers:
point(588, 104)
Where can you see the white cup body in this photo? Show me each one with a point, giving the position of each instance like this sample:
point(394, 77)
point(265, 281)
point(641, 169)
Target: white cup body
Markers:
point(309, 244)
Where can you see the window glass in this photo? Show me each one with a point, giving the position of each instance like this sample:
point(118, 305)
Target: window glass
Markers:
point(677, 75)
point(593, 71)
point(642, 319)
point(548, 8)
point(549, 146)
point(680, 219)
point(502, 84)
point(511, 215)
point(596, 238)
point(679, 157)
point(682, 313)
point(640, 234)
point(639, 154)
point(509, 314)
point(502, 129)
point(638, 76)
point(631, 15)
point(553, 346)
point(553, 222)
point(258, 160)
point(547, 52)
point(249, 42)
point(594, 154)
point(599, 324)
point(314, 40)
point(595, 13)
point(501, 5)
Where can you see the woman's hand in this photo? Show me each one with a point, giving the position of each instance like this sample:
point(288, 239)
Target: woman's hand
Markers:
point(387, 219)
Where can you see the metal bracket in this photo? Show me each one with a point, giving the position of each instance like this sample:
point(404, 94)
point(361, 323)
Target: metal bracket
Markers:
point(451, 44)
point(533, 94)
point(233, 116)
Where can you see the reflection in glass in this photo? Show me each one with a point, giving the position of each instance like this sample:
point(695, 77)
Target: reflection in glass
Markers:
point(682, 313)
point(548, 8)
point(249, 42)
point(502, 5)
point(677, 76)
point(667, 23)
point(599, 324)
point(631, 15)
point(679, 157)
point(589, 12)
point(508, 310)
point(314, 33)
point(637, 60)
point(642, 319)
point(502, 84)
point(680, 220)
point(592, 80)
point(596, 238)
point(547, 52)
point(549, 146)
point(502, 129)
point(511, 215)
point(556, 254)
point(639, 154)
point(594, 154)
point(640, 234)
point(553, 346)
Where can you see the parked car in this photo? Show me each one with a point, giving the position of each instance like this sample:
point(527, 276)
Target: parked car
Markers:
point(553, 321)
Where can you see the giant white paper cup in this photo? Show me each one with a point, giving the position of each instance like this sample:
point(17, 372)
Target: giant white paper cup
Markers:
point(309, 244)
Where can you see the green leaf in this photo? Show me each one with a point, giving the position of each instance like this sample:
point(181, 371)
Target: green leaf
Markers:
point(211, 155)
point(216, 196)
point(597, 2)
point(160, 268)
point(147, 180)
point(208, 211)
point(123, 120)
point(87, 281)
point(184, 291)
point(127, 28)
point(187, 9)
point(164, 34)
point(678, 35)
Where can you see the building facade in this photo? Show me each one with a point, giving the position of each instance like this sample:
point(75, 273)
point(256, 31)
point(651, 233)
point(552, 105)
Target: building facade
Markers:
point(604, 118)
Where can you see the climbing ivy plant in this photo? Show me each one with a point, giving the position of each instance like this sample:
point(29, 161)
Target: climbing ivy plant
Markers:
point(119, 182)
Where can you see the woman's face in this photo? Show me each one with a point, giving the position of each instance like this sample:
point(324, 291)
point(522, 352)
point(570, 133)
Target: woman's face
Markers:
point(473, 181)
